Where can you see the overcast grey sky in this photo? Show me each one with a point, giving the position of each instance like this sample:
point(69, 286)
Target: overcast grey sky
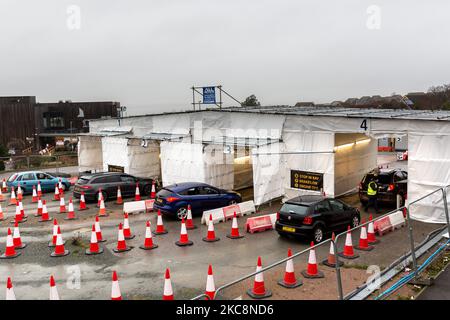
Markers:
point(147, 54)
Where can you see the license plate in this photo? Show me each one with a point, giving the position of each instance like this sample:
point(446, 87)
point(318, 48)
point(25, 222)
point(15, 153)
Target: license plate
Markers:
point(288, 229)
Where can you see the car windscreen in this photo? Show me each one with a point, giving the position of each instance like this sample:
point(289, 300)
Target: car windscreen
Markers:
point(163, 193)
point(13, 177)
point(299, 209)
point(83, 180)
point(382, 178)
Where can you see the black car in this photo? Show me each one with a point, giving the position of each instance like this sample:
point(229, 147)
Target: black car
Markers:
point(108, 183)
point(315, 217)
point(390, 184)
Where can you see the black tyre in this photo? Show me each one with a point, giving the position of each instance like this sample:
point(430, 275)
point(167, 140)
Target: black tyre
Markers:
point(104, 194)
point(181, 213)
point(147, 190)
point(354, 222)
point(318, 234)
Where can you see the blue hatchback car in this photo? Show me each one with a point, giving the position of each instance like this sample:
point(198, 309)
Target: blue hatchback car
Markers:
point(174, 199)
point(29, 179)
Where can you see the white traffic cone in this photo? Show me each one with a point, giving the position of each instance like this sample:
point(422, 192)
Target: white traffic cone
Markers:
point(53, 291)
point(115, 288)
point(9, 290)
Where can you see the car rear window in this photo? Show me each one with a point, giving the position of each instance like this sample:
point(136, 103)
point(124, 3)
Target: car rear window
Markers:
point(299, 209)
point(164, 193)
point(83, 181)
point(382, 178)
point(13, 177)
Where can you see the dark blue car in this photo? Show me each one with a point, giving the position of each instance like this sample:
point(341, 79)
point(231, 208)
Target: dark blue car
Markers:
point(174, 199)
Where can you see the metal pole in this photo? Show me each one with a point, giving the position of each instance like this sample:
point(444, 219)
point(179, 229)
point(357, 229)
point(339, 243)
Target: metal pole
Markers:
point(444, 197)
point(220, 96)
point(411, 239)
point(338, 270)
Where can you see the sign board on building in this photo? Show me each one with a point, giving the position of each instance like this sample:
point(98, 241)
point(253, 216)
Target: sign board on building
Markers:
point(306, 180)
point(209, 95)
point(112, 168)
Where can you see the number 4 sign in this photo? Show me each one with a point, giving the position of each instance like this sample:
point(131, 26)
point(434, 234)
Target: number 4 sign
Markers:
point(365, 125)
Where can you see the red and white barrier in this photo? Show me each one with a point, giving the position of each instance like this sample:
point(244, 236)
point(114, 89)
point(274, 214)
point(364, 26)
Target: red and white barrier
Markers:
point(142, 206)
point(226, 213)
point(389, 223)
point(261, 223)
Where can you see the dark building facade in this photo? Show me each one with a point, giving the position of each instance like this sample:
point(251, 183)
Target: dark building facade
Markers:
point(26, 123)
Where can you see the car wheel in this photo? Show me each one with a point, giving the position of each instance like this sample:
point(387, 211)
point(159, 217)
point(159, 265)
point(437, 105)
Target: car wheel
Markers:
point(181, 213)
point(318, 234)
point(355, 221)
point(232, 202)
point(63, 187)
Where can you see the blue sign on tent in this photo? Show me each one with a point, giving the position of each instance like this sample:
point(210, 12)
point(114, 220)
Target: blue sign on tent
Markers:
point(209, 95)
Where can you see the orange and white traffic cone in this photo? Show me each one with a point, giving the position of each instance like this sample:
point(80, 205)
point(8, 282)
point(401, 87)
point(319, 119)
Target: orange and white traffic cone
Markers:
point(99, 198)
point(115, 289)
point(62, 205)
point(10, 251)
point(348, 252)
point(234, 229)
point(159, 225)
point(126, 228)
point(153, 191)
point(82, 205)
point(189, 222)
point(137, 196)
point(16, 238)
point(290, 281)
point(98, 231)
point(121, 243)
point(60, 251)
point(39, 208)
point(184, 239)
point(19, 193)
point(210, 291)
point(34, 196)
point(2, 197)
point(52, 243)
point(102, 209)
point(211, 235)
point(13, 199)
point(94, 248)
point(259, 290)
point(331, 260)
point(148, 242)
point(53, 291)
point(45, 216)
point(18, 217)
point(39, 190)
point(9, 290)
point(2, 216)
point(312, 272)
point(56, 195)
point(168, 291)
point(71, 212)
point(60, 188)
point(4, 187)
point(22, 210)
point(363, 242)
point(371, 238)
point(119, 196)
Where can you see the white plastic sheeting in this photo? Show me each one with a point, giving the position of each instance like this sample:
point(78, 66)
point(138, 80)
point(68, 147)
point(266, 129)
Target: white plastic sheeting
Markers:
point(143, 162)
point(268, 173)
point(318, 162)
point(185, 162)
point(90, 156)
point(129, 154)
point(428, 169)
point(352, 161)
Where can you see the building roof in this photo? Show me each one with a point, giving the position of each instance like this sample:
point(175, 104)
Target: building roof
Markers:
point(328, 111)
